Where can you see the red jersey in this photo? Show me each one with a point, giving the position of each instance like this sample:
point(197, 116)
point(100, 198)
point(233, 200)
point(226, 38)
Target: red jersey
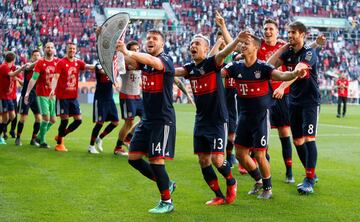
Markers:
point(67, 86)
point(342, 91)
point(5, 81)
point(12, 89)
point(265, 52)
point(46, 69)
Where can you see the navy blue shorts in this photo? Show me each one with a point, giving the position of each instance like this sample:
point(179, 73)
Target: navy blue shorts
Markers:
point(5, 105)
point(210, 139)
point(155, 140)
point(304, 120)
point(12, 105)
point(130, 108)
point(23, 108)
point(233, 114)
point(70, 107)
point(279, 113)
point(104, 111)
point(253, 130)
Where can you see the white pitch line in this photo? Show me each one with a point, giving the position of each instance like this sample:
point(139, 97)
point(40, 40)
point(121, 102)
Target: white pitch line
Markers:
point(339, 126)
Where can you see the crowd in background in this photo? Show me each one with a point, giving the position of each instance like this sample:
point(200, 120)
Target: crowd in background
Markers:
point(23, 28)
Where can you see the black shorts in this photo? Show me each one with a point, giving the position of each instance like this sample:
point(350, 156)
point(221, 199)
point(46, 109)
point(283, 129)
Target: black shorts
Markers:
point(253, 130)
point(232, 107)
point(70, 107)
point(155, 140)
point(210, 139)
point(5, 105)
point(279, 113)
point(304, 120)
point(130, 108)
point(104, 111)
point(23, 108)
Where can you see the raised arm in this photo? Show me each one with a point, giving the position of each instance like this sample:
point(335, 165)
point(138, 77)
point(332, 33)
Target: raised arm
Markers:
point(216, 47)
point(220, 21)
point(17, 71)
point(139, 57)
point(319, 42)
point(242, 37)
point(275, 58)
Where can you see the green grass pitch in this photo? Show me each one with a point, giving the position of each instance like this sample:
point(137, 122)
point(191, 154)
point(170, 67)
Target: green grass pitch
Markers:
point(43, 185)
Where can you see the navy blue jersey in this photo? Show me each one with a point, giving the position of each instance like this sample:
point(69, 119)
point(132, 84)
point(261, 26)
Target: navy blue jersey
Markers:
point(157, 88)
point(104, 89)
point(27, 76)
point(208, 89)
point(252, 83)
point(304, 91)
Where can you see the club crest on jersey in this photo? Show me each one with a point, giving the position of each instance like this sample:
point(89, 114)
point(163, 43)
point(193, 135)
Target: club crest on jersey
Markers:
point(257, 74)
point(201, 70)
point(239, 75)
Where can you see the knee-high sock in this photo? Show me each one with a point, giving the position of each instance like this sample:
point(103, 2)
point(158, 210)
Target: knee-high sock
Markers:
point(212, 180)
point(225, 170)
point(311, 159)
point(95, 133)
point(36, 129)
point(107, 130)
point(73, 126)
point(287, 154)
point(162, 181)
point(43, 130)
point(143, 167)
point(302, 152)
point(13, 124)
point(20, 128)
point(62, 130)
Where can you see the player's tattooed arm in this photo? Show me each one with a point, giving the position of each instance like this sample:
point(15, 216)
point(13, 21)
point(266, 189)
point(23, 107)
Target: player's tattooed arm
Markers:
point(275, 58)
point(182, 87)
point(53, 85)
point(300, 72)
point(220, 21)
point(319, 42)
point(139, 57)
point(220, 57)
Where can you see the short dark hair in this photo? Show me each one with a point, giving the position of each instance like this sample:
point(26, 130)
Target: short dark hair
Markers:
point(271, 21)
point(34, 51)
point(298, 26)
point(70, 43)
point(10, 56)
point(257, 40)
point(155, 31)
point(131, 43)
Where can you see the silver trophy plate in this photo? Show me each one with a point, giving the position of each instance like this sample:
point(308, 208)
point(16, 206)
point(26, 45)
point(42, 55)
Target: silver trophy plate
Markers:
point(112, 29)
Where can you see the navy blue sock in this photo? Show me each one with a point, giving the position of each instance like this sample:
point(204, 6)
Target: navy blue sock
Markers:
point(302, 152)
point(255, 174)
point(62, 130)
point(143, 167)
point(73, 126)
point(13, 124)
point(36, 129)
point(212, 180)
point(267, 185)
point(225, 170)
point(287, 154)
point(311, 159)
point(107, 130)
point(20, 128)
point(95, 133)
point(162, 180)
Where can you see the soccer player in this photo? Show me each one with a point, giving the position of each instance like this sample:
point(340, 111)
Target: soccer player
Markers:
point(65, 86)
point(155, 135)
point(7, 72)
point(279, 112)
point(304, 99)
point(33, 105)
point(342, 84)
point(104, 109)
point(43, 74)
point(12, 107)
point(210, 131)
point(254, 96)
point(131, 104)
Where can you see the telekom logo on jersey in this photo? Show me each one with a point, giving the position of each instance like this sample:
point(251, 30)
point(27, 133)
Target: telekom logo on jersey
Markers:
point(203, 84)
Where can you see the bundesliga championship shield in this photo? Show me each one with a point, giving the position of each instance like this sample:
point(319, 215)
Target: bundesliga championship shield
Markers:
point(113, 29)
